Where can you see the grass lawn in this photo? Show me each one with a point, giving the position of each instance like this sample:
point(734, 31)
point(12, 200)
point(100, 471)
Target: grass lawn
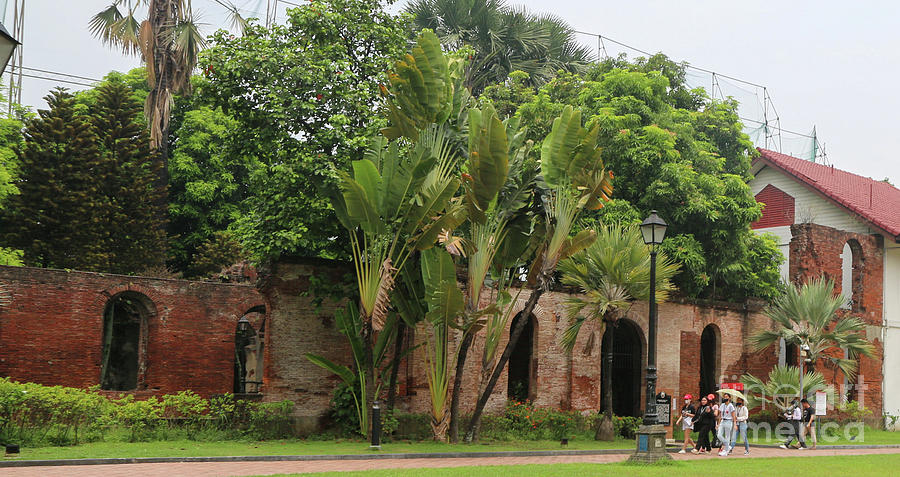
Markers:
point(778, 467)
point(185, 448)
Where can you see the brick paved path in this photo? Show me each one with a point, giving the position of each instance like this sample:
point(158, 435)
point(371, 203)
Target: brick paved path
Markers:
point(210, 469)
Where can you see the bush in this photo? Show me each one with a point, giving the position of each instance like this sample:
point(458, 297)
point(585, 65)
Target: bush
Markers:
point(35, 415)
point(626, 426)
point(523, 421)
point(343, 410)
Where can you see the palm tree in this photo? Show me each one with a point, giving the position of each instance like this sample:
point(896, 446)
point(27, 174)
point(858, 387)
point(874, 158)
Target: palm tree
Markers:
point(168, 41)
point(807, 316)
point(504, 39)
point(612, 273)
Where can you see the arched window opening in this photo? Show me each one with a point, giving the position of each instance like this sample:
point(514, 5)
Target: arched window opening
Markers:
point(123, 361)
point(248, 351)
point(790, 354)
point(847, 276)
point(522, 367)
point(709, 360)
point(626, 368)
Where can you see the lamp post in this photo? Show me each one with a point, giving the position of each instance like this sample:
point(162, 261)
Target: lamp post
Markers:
point(804, 358)
point(651, 436)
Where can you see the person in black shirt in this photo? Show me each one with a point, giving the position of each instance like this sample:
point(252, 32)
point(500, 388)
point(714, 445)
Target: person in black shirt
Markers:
point(705, 420)
point(808, 422)
point(687, 422)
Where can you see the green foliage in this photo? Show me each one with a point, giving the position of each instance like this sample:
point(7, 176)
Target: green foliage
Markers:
point(503, 39)
point(88, 194)
point(208, 182)
point(34, 415)
point(58, 217)
point(343, 411)
point(807, 315)
point(674, 150)
point(783, 387)
point(304, 97)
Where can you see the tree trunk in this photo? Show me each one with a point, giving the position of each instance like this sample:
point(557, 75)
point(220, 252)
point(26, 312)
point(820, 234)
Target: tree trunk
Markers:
point(370, 377)
point(605, 430)
point(457, 385)
point(514, 334)
point(395, 365)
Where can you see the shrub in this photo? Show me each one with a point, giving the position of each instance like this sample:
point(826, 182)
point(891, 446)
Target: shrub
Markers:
point(343, 410)
point(626, 426)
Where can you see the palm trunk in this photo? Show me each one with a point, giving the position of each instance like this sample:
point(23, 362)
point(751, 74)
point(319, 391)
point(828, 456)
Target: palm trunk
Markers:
point(457, 385)
point(472, 431)
point(369, 390)
point(395, 366)
point(605, 429)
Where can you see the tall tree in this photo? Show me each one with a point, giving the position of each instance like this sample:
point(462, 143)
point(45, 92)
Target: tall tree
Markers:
point(305, 96)
point(10, 141)
point(168, 41)
point(504, 39)
point(58, 217)
point(136, 240)
point(612, 273)
point(673, 150)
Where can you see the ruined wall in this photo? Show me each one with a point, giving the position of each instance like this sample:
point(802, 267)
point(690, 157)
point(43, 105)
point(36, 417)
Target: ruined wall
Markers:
point(296, 327)
point(51, 330)
point(816, 250)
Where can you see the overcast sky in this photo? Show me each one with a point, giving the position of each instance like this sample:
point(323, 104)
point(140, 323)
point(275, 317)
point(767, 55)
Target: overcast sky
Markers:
point(825, 63)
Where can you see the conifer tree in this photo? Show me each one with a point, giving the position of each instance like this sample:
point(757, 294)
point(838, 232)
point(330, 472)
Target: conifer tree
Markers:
point(58, 216)
point(136, 221)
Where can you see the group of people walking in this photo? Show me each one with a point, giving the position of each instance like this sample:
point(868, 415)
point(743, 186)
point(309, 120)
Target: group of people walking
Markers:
point(725, 419)
point(803, 424)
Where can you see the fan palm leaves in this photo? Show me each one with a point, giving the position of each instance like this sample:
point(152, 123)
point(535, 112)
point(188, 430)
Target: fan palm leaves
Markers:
point(807, 314)
point(167, 38)
point(504, 39)
point(782, 387)
point(612, 273)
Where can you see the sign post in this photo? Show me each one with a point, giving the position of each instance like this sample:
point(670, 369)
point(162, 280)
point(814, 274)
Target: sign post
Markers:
point(664, 409)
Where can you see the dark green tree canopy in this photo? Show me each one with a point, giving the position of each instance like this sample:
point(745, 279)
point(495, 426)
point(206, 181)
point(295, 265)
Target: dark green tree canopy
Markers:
point(674, 150)
point(304, 97)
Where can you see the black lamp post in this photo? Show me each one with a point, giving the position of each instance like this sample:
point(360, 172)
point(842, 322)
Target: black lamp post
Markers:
point(651, 437)
point(654, 231)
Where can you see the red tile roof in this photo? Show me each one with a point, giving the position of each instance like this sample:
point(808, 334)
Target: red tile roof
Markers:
point(874, 201)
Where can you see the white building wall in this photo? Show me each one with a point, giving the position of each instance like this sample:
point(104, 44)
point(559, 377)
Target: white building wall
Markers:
point(891, 371)
point(809, 206)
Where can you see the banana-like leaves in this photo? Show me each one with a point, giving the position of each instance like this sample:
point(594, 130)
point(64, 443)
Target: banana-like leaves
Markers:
point(488, 164)
point(421, 90)
point(444, 299)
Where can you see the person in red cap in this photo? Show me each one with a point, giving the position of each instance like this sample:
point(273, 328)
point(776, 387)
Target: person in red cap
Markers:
point(687, 422)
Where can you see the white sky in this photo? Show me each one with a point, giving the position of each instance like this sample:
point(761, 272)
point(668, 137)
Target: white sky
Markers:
point(826, 63)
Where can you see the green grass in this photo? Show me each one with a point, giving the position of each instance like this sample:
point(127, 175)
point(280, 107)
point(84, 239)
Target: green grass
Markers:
point(857, 466)
point(186, 448)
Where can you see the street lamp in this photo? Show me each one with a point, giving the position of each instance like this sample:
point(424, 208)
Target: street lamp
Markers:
point(243, 324)
point(651, 437)
point(804, 355)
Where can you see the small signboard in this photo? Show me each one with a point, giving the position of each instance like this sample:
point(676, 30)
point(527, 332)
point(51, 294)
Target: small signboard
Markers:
point(735, 386)
point(664, 409)
point(821, 403)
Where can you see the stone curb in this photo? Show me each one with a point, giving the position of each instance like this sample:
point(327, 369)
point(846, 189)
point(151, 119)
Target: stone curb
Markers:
point(428, 455)
point(276, 458)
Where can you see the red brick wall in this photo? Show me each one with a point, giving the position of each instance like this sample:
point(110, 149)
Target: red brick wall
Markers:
point(816, 250)
point(778, 210)
point(51, 332)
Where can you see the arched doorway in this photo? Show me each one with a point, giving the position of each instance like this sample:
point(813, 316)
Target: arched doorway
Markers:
point(709, 360)
point(123, 358)
point(627, 355)
point(521, 367)
point(248, 351)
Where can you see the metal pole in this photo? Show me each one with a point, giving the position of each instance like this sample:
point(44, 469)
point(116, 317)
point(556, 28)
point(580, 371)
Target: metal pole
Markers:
point(376, 426)
point(650, 415)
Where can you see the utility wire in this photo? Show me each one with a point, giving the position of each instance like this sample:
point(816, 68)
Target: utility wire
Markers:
point(58, 73)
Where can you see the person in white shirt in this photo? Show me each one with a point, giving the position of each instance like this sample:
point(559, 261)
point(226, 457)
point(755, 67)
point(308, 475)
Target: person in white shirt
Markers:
point(741, 416)
point(726, 424)
point(795, 414)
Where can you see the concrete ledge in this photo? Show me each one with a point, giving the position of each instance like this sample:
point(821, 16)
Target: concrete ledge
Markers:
point(276, 458)
point(373, 456)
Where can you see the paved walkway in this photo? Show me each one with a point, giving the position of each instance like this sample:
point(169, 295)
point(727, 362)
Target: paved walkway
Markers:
point(210, 469)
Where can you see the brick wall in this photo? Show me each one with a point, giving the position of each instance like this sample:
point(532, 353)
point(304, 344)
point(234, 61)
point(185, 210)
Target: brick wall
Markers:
point(51, 331)
point(816, 250)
